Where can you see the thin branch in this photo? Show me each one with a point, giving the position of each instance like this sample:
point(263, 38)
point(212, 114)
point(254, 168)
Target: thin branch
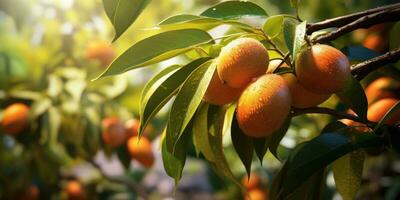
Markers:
point(322, 110)
point(362, 69)
point(122, 180)
point(346, 19)
point(389, 15)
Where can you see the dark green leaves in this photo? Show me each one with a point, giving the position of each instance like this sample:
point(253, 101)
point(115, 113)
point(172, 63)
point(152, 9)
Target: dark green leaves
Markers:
point(353, 96)
point(122, 13)
point(277, 137)
point(155, 96)
point(157, 48)
point(187, 100)
point(234, 9)
point(273, 26)
point(294, 34)
point(243, 145)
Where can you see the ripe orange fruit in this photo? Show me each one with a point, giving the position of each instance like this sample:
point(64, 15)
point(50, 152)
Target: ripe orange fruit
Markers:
point(219, 93)
point(323, 69)
point(141, 150)
point(253, 182)
point(15, 118)
point(101, 52)
point(375, 42)
point(263, 106)
point(113, 131)
point(132, 128)
point(383, 87)
point(378, 110)
point(242, 60)
point(74, 190)
point(257, 194)
point(301, 97)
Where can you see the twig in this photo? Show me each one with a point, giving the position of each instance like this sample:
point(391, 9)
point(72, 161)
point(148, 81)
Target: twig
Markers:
point(322, 110)
point(123, 180)
point(362, 69)
point(346, 19)
point(363, 22)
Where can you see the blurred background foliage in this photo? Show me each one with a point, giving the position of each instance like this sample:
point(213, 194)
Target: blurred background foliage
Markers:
point(46, 63)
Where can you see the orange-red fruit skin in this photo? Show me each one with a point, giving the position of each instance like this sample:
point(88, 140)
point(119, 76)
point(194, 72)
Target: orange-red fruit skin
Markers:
point(301, 97)
point(375, 42)
point(257, 194)
point(323, 69)
point(15, 118)
point(114, 133)
point(74, 190)
point(263, 106)
point(141, 150)
point(377, 111)
point(100, 51)
point(219, 93)
point(382, 87)
point(242, 60)
point(253, 182)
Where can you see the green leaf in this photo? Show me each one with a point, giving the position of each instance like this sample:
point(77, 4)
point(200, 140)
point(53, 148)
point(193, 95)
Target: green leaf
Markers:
point(353, 96)
point(124, 156)
point(359, 53)
point(335, 126)
point(273, 25)
point(299, 40)
point(347, 172)
point(54, 124)
point(233, 10)
point(312, 188)
point(157, 48)
point(175, 162)
point(154, 97)
point(122, 13)
point(179, 19)
point(277, 136)
point(39, 107)
point(200, 134)
point(289, 33)
point(187, 100)
point(317, 153)
point(261, 147)
point(243, 145)
point(393, 110)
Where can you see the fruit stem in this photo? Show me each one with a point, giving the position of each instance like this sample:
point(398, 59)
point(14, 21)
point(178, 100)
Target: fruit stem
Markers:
point(362, 69)
point(335, 113)
point(346, 19)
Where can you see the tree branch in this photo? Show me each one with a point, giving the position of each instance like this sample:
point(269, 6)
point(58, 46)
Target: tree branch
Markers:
point(388, 15)
point(362, 69)
point(346, 19)
point(322, 110)
point(122, 180)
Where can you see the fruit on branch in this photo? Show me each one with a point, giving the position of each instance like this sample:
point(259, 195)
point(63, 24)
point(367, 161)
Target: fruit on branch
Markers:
point(15, 118)
point(101, 52)
point(132, 128)
point(263, 106)
point(114, 133)
point(257, 194)
point(377, 111)
point(141, 150)
point(74, 190)
point(323, 69)
point(253, 182)
point(219, 93)
point(242, 60)
point(375, 42)
point(383, 87)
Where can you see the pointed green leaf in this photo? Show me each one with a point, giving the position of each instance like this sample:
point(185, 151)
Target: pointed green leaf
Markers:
point(273, 26)
point(234, 9)
point(122, 13)
point(155, 96)
point(347, 172)
point(312, 188)
point(353, 96)
point(277, 136)
point(157, 48)
point(243, 145)
point(289, 33)
point(179, 19)
point(187, 100)
point(336, 126)
point(299, 41)
point(200, 133)
point(261, 147)
point(393, 110)
point(124, 156)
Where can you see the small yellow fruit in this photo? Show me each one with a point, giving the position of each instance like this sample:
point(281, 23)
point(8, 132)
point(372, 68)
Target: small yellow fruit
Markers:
point(323, 69)
point(141, 150)
point(242, 60)
point(263, 106)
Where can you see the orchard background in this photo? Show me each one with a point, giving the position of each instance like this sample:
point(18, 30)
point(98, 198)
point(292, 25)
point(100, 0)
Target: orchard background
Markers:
point(140, 99)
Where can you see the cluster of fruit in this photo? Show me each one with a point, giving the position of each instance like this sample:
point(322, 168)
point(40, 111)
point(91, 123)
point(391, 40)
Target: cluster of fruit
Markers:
point(245, 73)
